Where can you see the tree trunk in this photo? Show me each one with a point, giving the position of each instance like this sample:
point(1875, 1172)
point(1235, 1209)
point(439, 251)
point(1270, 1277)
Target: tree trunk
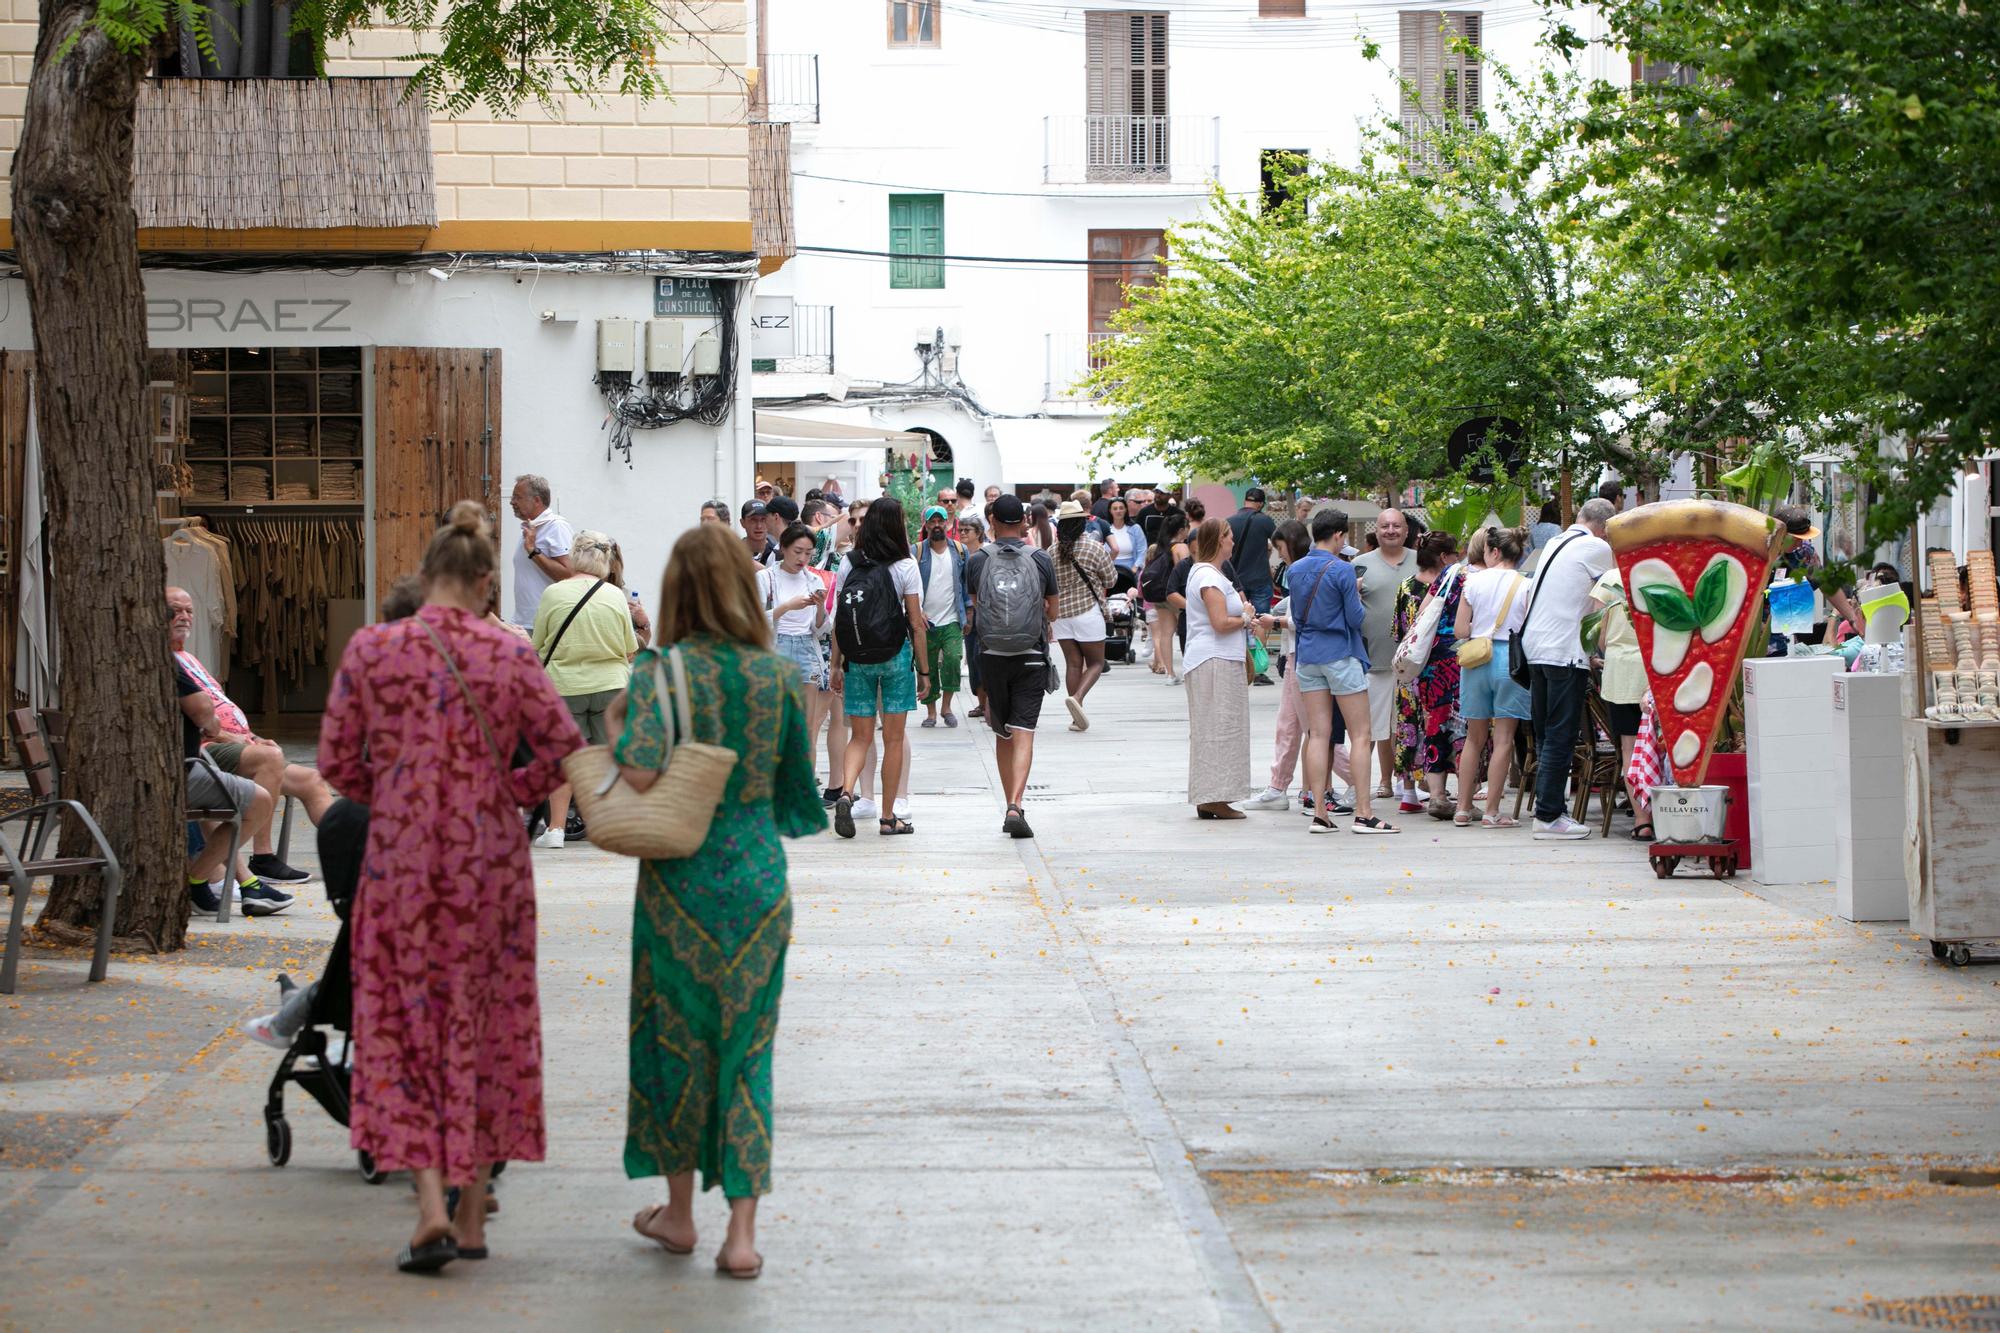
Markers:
point(78, 242)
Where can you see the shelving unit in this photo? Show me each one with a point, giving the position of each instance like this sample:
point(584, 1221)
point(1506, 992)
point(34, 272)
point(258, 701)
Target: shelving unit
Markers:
point(275, 426)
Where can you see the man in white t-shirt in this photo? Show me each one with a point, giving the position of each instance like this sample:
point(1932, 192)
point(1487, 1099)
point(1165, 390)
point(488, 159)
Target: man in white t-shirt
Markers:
point(941, 564)
point(1557, 663)
point(542, 556)
point(1382, 572)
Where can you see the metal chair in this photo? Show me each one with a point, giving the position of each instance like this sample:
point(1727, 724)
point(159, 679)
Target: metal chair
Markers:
point(27, 864)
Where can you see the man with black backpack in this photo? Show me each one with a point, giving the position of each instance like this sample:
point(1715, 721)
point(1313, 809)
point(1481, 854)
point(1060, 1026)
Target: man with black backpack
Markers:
point(1012, 596)
point(879, 654)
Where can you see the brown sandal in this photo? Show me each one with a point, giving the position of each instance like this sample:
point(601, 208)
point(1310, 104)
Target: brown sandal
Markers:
point(644, 1218)
point(750, 1274)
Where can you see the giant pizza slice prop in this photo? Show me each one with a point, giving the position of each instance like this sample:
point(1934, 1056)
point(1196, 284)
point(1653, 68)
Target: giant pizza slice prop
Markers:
point(1694, 574)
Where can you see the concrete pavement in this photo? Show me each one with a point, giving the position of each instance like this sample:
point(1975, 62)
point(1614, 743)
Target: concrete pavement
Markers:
point(1138, 1072)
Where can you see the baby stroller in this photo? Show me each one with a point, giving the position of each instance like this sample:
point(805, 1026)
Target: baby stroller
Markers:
point(311, 1062)
point(1120, 628)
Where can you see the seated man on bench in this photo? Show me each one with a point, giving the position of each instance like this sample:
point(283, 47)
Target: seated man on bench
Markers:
point(208, 789)
point(237, 750)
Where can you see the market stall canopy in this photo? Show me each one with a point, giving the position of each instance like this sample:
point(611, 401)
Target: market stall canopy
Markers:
point(773, 429)
point(1058, 451)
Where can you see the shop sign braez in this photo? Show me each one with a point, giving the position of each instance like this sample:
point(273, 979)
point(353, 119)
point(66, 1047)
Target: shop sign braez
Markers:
point(1693, 572)
point(172, 314)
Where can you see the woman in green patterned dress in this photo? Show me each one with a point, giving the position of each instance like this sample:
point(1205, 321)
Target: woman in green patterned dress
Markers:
point(709, 932)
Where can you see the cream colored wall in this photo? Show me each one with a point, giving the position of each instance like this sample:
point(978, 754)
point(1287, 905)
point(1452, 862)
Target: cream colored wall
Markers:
point(683, 160)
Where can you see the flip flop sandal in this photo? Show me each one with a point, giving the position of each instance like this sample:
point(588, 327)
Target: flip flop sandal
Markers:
point(1461, 819)
point(429, 1257)
point(843, 815)
point(1644, 833)
point(1373, 824)
point(894, 826)
point(750, 1274)
point(644, 1218)
point(1499, 821)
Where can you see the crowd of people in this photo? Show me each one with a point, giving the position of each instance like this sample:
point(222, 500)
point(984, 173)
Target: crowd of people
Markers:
point(1393, 671)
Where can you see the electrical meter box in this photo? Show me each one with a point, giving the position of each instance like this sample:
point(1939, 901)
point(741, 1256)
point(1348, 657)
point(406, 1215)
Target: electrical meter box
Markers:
point(707, 355)
point(614, 346)
point(663, 347)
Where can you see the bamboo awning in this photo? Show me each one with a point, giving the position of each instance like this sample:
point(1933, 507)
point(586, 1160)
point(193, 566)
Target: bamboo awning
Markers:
point(231, 154)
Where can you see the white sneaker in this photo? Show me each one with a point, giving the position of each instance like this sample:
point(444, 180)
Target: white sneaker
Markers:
point(866, 809)
point(1173, 678)
point(1562, 827)
point(1271, 798)
point(901, 809)
point(552, 838)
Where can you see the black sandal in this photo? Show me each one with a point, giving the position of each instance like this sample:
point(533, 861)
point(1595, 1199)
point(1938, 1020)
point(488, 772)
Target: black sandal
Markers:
point(894, 825)
point(429, 1257)
point(1015, 825)
point(1372, 824)
point(1643, 833)
point(843, 814)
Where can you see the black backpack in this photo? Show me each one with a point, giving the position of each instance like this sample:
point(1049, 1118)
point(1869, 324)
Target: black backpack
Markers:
point(1153, 580)
point(869, 620)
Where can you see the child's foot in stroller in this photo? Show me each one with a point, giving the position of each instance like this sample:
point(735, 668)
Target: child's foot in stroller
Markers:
point(265, 1030)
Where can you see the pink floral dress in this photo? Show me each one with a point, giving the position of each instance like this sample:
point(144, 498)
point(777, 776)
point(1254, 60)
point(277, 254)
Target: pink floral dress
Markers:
point(447, 1063)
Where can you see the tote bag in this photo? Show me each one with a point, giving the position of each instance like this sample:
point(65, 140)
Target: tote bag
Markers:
point(1413, 654)
point(670, 819)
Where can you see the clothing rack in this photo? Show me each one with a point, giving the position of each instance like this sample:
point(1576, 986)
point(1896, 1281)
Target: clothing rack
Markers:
point(289, 567)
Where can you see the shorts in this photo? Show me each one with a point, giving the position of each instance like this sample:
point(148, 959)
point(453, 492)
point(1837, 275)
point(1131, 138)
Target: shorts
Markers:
point(1488, 692)
point(1624, 719)
point(1343, 675)
point(228, 755)
point(209, 790)
point(1086, 628)
point(588, 710)
point(1014, 689)
point(804, 651)
point(887, 687)
point(1381, 704)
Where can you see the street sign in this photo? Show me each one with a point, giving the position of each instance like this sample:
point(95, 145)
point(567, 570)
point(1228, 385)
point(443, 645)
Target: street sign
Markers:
point(685, 298)
point(774, 328)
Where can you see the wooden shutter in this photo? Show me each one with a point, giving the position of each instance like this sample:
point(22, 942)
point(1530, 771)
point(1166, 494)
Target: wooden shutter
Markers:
point(1463, 92)
point(1413, 26)
point(916, 227)
point(437, 441)
point(1125, 94)
point(1139, 254)
point(1281, 9)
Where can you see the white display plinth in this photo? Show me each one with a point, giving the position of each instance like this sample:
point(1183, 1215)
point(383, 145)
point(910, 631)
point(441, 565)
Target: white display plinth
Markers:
point(1788, 718)
point(1868, 781)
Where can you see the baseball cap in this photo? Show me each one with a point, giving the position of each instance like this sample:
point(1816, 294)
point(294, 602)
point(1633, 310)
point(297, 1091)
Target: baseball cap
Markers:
point(935, 511)
point(1008, 509)
point(1254, 493)
point(784, 507)
point(753, 509)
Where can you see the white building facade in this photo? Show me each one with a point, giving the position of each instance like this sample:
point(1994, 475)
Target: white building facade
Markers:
point(1000, 169)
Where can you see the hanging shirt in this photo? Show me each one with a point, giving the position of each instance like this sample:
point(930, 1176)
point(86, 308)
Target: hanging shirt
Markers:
point(227, 715)
point(553, 538)
point(194, 566)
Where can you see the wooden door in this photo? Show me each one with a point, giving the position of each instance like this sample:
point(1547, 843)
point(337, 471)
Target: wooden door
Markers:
point(437, 441)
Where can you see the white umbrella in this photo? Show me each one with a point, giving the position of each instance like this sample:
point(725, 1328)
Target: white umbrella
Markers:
point(35, 656)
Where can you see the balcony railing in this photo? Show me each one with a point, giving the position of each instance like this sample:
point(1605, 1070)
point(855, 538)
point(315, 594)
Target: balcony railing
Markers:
point(812, 344)
point(1144, 150)
point(788, 90)
point(1069, 358)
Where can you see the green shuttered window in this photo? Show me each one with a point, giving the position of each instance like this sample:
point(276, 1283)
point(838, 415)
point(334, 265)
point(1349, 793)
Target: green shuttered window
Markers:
point(916, 227)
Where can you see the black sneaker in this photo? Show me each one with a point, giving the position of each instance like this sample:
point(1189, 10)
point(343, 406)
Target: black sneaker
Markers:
point(1340, 807)
point(263, 900)
point(829, 796)
point(1263, 680)
point(206, 901)
point(271, 870)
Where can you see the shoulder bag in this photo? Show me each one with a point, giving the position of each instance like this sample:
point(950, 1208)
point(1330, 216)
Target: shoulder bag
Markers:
point(1517, 646)
point(670, 819)
point(1478, 652)
point(563, 628)
point(1413, 654)
point(478, 713)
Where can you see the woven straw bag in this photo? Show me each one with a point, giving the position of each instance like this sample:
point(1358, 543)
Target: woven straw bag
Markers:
point(670, 819)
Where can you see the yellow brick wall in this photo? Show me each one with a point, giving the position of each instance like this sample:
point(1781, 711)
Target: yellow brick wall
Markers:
point(684, 160)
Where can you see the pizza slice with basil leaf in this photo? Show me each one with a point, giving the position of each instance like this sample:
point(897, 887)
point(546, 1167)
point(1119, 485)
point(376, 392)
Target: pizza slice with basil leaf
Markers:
point(1694, 573)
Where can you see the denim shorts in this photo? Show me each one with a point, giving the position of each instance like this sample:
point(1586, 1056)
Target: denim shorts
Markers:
point(1343, 675)
point(804, 649)
point(893, 683)
point(1488, 692)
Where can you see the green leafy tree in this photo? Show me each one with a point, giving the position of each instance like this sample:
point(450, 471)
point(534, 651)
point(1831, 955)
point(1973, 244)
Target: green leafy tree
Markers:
point(1837, 163)
point(77, 240)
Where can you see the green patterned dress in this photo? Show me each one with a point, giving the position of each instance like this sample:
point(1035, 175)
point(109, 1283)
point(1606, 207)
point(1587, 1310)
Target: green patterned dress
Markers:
point(709, 932)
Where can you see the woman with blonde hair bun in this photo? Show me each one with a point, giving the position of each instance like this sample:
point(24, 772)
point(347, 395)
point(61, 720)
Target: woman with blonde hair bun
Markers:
point(709, 932)
point(583, 631)
point(419, 724)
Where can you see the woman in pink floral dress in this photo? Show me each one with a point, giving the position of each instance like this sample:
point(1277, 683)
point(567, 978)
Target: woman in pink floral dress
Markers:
point(447, 1075)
